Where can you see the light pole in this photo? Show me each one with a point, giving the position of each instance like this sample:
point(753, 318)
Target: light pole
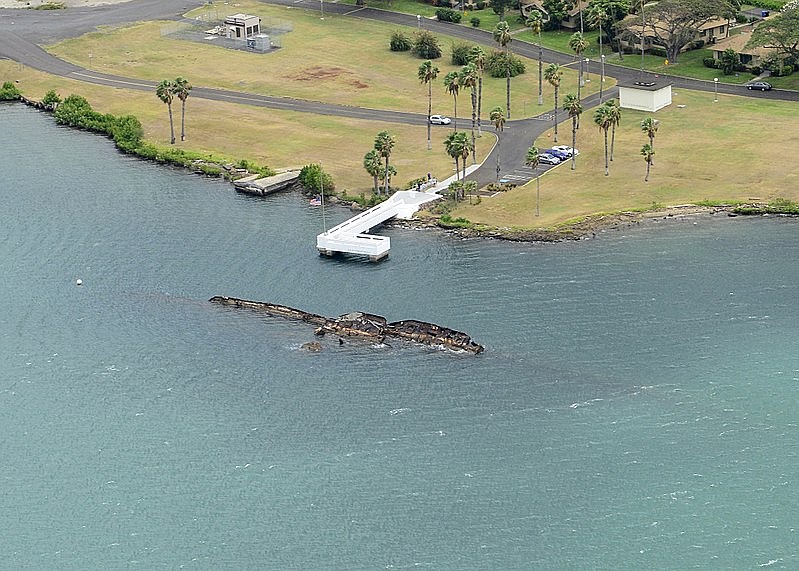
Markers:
point(715, 89)
point(321, 9)
point(418, 21)
point(602, 76)
point(587, 71)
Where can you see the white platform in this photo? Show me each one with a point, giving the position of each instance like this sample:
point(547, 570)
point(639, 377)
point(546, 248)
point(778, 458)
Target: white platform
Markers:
point(350, 236)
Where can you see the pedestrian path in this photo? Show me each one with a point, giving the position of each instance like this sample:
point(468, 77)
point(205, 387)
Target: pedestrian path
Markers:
point(351, 236)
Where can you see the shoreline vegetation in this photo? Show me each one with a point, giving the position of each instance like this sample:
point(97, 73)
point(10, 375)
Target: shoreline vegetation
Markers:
point(572, 230)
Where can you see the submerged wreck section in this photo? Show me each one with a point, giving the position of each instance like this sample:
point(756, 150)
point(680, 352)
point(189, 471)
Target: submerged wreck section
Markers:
point(366, 325)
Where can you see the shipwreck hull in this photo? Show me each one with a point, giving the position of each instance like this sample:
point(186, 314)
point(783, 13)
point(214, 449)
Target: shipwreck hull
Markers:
point(365, 325)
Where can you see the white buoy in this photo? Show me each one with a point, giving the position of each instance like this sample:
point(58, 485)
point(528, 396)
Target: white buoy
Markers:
point(78, 281)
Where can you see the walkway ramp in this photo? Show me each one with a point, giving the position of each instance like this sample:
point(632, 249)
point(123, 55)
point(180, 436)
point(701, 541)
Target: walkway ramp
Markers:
point(351, 235)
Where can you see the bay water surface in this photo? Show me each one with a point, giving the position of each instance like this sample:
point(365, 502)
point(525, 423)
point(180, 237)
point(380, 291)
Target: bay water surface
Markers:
point(636, 406)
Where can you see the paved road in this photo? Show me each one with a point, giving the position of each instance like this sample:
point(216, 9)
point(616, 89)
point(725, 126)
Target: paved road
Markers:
point(23, 31)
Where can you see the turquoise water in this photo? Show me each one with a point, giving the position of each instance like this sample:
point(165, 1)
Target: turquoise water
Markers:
point(636, 407)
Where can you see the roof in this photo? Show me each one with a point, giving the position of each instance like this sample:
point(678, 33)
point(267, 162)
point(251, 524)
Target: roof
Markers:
point(738, 43)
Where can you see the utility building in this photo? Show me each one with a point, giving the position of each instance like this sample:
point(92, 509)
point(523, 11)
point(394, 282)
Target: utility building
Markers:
point(242, 26)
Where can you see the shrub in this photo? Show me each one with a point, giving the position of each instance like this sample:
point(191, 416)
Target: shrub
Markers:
point(657, 51)
point(448, 15)
point(480, 5)
point(313, 178)
point(425, 45)
point(51, 99)
point(460, 53)
point(710, 62)
point(475, 22)
point(9, 92)
point(497, 64)
point(399, 42)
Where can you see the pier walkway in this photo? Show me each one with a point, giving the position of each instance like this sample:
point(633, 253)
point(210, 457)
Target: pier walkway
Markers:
point(351, 235)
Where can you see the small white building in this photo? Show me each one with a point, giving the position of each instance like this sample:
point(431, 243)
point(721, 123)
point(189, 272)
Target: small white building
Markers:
point(242, 26)
point(644, 95)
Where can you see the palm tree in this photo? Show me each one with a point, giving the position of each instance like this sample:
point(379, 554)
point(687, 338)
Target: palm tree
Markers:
point(478, 57)
point(553, 74)
point(468, 78)
point(650, 127)
point(374, 166)
point(602, 120)
point(452, 144)
point(384, 144)
point(648, 153)
point(532, 160)
point(467, 148)
point(535, 21)
point(578, 43)
point(180, 89)
point(427, 73)
point(503, 38)
point(498, 119)
point(452, 85)
point(574, 108)
point(614, 110)
point(164, 92)
point(597, 17)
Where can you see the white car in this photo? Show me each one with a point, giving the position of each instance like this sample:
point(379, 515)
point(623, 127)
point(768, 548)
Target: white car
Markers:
point(440, 120)
point(568, 150)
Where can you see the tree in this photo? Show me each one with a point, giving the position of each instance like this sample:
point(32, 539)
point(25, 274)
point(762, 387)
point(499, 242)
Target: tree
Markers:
point(574, 108)
point(648, 153)
point(503, 38)
point(604, 14)
point(164, 92)
point(498, 119)
point(427, 73)
point(466, 148)
point(578, 43)
point(499, 7)
point(384, 144)
point(532, 160)
point(535, 22)
point(602, 120)
point(425, 45)
point(553, 74)
point(181, 89)
point(373, 164)
point(478, 57)
point(452, 83)
point(650, 127)
point(614, 112)
point(468, 78)
point(673, 24)
point(453, 145)
point(729, 60)
point(781, 32)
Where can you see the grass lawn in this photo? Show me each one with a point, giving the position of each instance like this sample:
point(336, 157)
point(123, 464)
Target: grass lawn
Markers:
point(328, 60)
point(704, 151)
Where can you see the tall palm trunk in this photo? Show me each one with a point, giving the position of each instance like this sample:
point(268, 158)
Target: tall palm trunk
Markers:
point(574, 140)
point(171, 124)
point(507, 76)
point(479, 103)
point(540, 71)
point(612, 140)
point(606, 152)
point(429, 112)
point(556, 113)
point(387, 176)
point(455, 116)
point(648, 164)
point(182, 119)
point(474, 122)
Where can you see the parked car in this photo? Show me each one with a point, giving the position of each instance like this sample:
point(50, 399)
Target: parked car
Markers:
point(566, 149)
point(440, 120)
point(547, 159)
point(761, 85)
point(556, 153)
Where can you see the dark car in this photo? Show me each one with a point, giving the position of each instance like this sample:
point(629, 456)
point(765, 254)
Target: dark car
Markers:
point(556, 153)
point(761, 85)
point(547, 159)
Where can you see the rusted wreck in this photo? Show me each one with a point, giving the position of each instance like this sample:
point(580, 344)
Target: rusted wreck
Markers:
point(366, 325)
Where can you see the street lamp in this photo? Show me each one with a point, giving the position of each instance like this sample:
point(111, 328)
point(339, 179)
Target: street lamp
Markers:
point(418, 21)
point(587, 72)
point(715, 89)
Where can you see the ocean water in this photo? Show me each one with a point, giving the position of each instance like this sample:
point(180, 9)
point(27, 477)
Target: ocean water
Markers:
point(636, 406)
